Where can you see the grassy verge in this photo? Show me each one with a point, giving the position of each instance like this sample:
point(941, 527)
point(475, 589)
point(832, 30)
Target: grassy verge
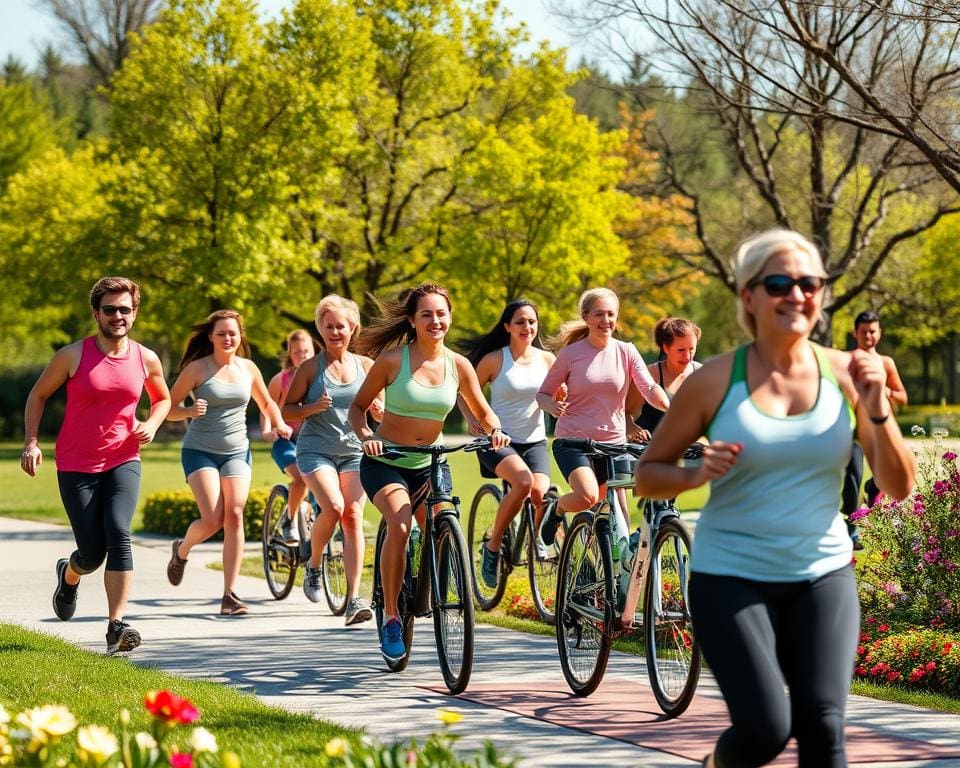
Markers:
point(38, 669)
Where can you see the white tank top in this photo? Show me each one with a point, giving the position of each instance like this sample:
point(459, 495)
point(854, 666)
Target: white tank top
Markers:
point(513, 397)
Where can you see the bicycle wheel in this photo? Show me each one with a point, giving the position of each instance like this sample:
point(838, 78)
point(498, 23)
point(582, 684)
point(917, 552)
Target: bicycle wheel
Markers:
point(483, 513)
point(305, 522)
point(279, 558)
point(543, 567)
point(585, 604)
point(334, 573)
point(404, 603)
point(453, 610)
point(673, 655)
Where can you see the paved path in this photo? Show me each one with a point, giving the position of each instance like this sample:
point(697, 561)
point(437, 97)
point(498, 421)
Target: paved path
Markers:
point(295, 655)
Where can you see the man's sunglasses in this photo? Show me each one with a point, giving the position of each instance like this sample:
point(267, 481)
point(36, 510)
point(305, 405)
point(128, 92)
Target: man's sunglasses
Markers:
point(110, 310)
point(781, 285)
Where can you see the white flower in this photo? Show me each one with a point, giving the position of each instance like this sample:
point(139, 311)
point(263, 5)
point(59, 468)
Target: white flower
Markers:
point(50, 720)
point(94, 742)
point(145, 741)
point(4, 716)
point(201, 740)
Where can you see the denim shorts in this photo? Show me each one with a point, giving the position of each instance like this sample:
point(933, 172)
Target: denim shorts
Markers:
point(284, 452)
point(534, 455)
point(308, 463)
point(376, 475)
point(227, 464)
point(569, 459)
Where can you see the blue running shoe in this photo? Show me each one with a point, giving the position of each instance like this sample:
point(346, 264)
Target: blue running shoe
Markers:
point(491, 567)
point(552, 519)
point(392, 646)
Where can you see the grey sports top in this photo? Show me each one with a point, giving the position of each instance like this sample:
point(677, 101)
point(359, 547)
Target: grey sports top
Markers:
point(329, 433)
point(223, 428)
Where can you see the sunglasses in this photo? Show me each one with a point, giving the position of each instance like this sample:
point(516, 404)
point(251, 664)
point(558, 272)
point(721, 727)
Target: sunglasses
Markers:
point(110, 310)
point(781, 285)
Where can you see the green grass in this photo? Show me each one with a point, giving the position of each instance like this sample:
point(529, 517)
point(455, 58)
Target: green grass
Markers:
point(38, 669)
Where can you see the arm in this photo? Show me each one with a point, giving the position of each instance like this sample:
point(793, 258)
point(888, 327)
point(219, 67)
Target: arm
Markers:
point(159, 395)
point(896, 392)
point(267, 404)
point(63, 365)
point(658, 474)
point(554, 385)
point(892, 462)
point(183, 386)
point(487, 370)
point(275, 388)
point(293, 406)
point(376, 380)
point(477, 403)
point(376, 407)
point(652, 392)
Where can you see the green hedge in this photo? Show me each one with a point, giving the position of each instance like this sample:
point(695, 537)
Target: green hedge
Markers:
point(170, 512)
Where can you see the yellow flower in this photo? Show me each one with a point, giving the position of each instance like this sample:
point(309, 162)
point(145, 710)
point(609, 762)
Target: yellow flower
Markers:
point(49, 721)
point(336, 747)
point(448, 716)
point(230, 760)
point(95, 744)
point(201, 740)
point(4, 716)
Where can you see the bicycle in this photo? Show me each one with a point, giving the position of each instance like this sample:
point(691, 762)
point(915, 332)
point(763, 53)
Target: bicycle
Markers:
point(282, 559)
point(518, 549)
point(436, 578)
point(601, 579)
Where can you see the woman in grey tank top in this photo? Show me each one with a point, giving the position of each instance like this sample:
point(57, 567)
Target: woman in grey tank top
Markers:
point(216, 450)
point(328, 450)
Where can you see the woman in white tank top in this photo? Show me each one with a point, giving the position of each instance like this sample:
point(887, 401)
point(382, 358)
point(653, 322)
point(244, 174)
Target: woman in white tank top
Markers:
point(509, 358)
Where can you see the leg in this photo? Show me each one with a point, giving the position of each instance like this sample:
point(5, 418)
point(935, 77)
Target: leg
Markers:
point(393, 501)
point(514, 471)
point(352, 521)
point(324, 484)
point(235, 489)
point(584, 491)
point(205, 484)
point(297, 490)
point(121, 489)
point(735, 625)
point(541, 483)
point(81, 494)
point(817, 653)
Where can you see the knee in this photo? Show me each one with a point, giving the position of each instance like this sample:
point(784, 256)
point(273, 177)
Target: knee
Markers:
point(120, 558)
point(352, 519)
point(524, 484)
point(756, 742)
point(297, 484)
point(584, 499)
point(233, 518)
point(335, 508)
point(88, 560)
point(820, 736)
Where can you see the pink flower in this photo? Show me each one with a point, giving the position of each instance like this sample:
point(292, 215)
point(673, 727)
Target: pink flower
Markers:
point(181, 760)
point(859, 514)
point(932, 556)
point(883, 628)
point(949, 456)
point(940, 488)
point(171, 708)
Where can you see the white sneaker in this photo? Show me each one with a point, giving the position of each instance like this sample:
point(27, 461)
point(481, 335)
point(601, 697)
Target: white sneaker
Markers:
point(313, 584)
point(357, 612)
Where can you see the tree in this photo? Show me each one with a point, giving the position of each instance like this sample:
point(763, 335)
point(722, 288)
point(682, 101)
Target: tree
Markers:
point(780, 111)
point(102, 30)
point(27, 127)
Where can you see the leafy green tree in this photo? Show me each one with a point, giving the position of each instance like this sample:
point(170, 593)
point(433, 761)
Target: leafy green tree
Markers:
point(27, 127)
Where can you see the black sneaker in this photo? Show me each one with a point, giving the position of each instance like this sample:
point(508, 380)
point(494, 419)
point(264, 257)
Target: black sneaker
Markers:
point(121, 637)
point(490, 568)
point(65, 595)
point(551, 521)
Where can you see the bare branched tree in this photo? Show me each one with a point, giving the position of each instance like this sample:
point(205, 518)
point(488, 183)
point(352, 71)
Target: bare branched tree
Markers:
point(100, 29)
point(868, 86)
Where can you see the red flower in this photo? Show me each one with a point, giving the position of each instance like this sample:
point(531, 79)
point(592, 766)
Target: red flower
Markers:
point(181, 760)
point(883, 628)
point(946, 648)
point(931, 665)
point(893, 676)
point(171, 708)
point(916, 674)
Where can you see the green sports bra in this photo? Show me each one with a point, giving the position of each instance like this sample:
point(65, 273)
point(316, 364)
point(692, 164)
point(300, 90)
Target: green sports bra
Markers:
point(405, 396)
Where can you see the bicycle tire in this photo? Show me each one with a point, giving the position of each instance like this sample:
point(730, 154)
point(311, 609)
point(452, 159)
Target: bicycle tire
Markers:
point(483, 513)
point(453, 616)
point(584, 643)
point(280, 560)
point(334, 573)
point(673, 655)
point(543, 570)
point(305, 521)
point(404, 604)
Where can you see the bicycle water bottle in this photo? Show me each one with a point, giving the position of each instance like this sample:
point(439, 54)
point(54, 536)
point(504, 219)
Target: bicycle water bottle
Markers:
point(414, 548)
point(619, 537)
point(631, 552)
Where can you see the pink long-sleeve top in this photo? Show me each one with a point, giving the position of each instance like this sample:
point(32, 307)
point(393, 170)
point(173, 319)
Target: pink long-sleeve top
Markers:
point(597, 382)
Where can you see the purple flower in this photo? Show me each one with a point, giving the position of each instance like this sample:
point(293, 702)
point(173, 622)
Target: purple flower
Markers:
point(918, 507)
point(941, 488)
point(952, 533)
point(932, 556)
point(859, 514)
point(949, 456)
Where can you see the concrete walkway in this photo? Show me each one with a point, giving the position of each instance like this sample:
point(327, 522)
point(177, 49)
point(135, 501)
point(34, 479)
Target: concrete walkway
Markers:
point(293, 654)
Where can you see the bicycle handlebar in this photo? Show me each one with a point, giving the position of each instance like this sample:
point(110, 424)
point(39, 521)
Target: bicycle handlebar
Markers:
point(597, 448)
point(398, 451)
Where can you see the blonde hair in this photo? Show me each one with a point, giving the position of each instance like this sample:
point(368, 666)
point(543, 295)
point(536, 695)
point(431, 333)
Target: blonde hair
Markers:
point(296, 335)
point(574, 330)
point(754, 253)
point(334, 303)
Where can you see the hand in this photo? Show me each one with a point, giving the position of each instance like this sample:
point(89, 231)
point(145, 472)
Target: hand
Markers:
point(199, 408)
point(143, 432)
point(559, 408)
point(499, 439)
point(30, 459)
point(560, 395)
point(283, 430)
point(474, 427)
point(372, 446)
point(323, 403)
point(718, 459)
point(870, 380)
point(270, 436)
point(376, 409)
point(638, 435)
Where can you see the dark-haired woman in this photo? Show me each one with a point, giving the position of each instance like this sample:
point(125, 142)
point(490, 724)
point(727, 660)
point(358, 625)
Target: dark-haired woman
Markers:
point(677, 339)
point(216, 449)
point(511, 360)
point(421, 380)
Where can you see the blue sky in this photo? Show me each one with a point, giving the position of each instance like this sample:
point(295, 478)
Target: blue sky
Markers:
point(25, 29)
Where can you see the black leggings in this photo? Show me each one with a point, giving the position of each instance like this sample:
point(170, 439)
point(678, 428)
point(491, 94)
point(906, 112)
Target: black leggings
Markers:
point(100, 506)
point(757, 635)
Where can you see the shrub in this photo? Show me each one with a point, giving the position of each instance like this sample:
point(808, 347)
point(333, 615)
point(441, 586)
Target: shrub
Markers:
point(915, 658)
point(170, 512)
point(910, 567)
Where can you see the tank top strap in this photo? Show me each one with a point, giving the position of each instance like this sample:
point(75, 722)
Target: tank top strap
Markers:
point(826, 372)
point(452, 367)
point(660, 374)
point(739, 370)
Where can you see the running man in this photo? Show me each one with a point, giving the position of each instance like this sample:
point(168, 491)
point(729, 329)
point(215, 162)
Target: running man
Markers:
point(98, 448)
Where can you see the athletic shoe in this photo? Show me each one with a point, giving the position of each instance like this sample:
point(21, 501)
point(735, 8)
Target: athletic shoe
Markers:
point(121, 637)
point(542, 552)
point(65, 595)
point(392, 646)
point(313, 583)
point(231, 605)
point(176, 565)
point(551, 521)
point(289, 533)
point(490, 569)
point(357, 612)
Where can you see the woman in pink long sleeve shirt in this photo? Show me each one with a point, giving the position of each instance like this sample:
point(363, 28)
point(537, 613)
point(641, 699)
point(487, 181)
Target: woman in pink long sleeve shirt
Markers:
point(597, 369)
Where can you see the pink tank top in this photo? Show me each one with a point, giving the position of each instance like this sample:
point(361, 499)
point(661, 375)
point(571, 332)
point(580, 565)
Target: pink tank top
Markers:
point(102, 399)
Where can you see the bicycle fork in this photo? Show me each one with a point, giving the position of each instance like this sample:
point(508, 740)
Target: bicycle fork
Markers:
point(629, 619)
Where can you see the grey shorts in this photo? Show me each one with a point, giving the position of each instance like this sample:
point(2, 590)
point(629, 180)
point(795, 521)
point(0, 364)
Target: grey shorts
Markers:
point(308, 463)
point(226, 464)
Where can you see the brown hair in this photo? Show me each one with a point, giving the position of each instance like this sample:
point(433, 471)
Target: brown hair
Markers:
point(393, 326)
point(199, 344)
point(670, 328)
point(297, 335)
point(106, 285)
